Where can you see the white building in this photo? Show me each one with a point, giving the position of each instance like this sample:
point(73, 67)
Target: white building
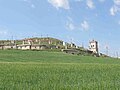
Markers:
point(1, 47)
point(24, 47)
point(93, 46)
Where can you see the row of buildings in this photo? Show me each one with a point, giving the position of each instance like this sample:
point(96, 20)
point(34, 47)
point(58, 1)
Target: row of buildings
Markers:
point(29, 44)
point(35, 44)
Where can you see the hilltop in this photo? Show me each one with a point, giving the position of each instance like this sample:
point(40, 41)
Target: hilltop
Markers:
point(46, 41)
point(47, 44)
point(43, 40)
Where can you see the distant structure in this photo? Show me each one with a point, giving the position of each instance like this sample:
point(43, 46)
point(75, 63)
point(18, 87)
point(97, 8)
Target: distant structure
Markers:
point(93, 46)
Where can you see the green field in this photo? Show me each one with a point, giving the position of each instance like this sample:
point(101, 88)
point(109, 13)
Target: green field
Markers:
point(43, 70)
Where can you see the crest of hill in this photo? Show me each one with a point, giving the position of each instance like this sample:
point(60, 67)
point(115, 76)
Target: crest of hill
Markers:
point(45, 39)
point(35, 40)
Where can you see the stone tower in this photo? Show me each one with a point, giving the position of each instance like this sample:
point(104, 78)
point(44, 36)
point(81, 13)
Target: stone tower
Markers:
point(93, 46)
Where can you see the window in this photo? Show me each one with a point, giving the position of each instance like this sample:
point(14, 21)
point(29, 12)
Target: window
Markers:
point(91, 46)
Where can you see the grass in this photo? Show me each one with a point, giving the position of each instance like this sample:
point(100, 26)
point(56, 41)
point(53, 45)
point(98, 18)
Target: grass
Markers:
point(42, 70)
point(51, 57)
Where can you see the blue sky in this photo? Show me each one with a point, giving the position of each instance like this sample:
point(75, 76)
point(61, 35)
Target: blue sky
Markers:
point(76, 20)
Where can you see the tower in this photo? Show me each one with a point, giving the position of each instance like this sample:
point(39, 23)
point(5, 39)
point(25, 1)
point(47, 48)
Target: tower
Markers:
point(93, 46)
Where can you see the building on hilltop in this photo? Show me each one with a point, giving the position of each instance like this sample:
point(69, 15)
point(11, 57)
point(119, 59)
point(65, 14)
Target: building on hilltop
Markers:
point(93, 46)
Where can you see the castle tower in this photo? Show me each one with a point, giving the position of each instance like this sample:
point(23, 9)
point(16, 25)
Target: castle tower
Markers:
point(93, 46)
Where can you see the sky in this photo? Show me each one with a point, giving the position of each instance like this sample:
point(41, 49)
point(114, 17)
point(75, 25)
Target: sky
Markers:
point(78, 21)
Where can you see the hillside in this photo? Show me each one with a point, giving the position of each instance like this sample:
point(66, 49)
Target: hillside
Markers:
point(43, 70)
point(51, 57)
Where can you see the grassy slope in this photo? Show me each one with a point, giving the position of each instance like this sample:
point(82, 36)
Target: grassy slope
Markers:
point(35, 70)
point(50, 57)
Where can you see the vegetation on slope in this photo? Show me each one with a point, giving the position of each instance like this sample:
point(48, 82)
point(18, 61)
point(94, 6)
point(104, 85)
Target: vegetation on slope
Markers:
point(43, 70)
point(44, 40)
point(51, 57)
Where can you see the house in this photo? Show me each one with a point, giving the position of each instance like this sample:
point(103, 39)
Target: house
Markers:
point(39, 47)
point(29, 45)
point(72, 45)
point(53, 47)
point(1, 47)
point(35, 47)
point(10, 46)
point(24, 47)
point(43, 47)
point(7, 47)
